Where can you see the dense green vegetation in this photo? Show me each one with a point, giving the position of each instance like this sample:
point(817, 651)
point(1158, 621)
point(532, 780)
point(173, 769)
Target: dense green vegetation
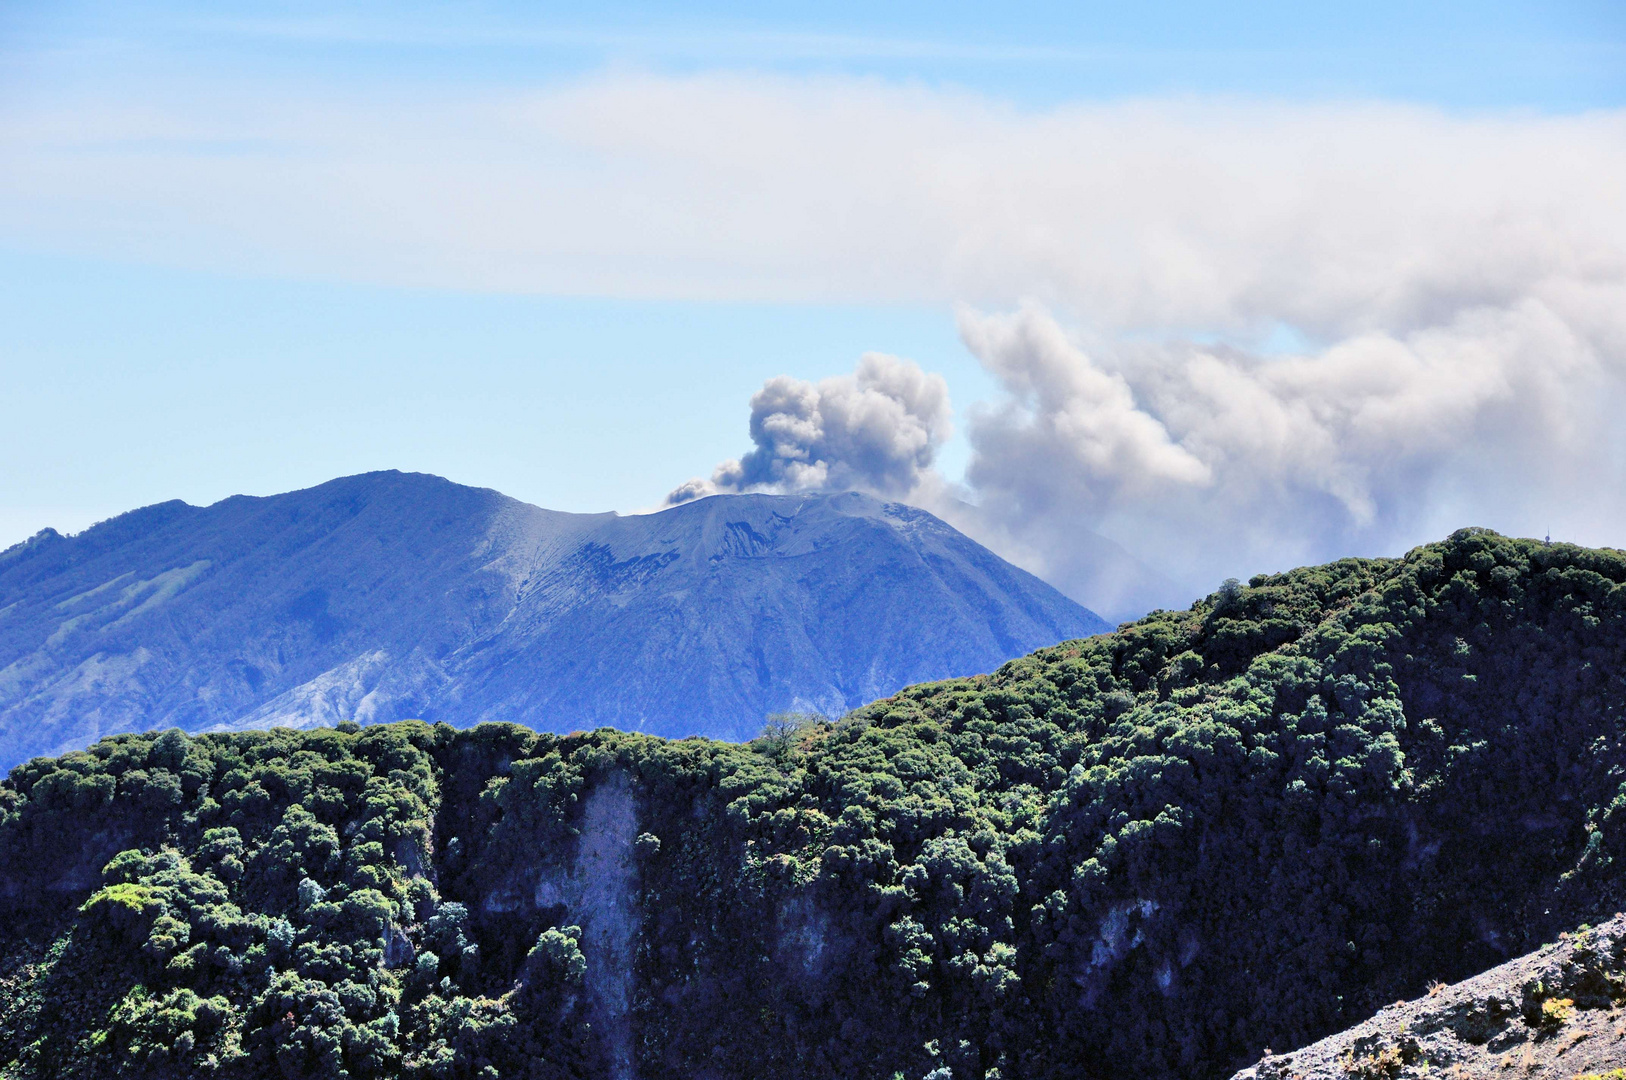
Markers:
point(1151, 853)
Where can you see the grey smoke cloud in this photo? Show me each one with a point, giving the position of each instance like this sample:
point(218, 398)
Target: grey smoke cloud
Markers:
point(1215, 461)
point(1209, 461)
point(1081, 423)
point(877, 429)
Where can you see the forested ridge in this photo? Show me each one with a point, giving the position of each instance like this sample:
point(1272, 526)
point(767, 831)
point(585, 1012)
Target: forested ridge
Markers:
point(1150, 853)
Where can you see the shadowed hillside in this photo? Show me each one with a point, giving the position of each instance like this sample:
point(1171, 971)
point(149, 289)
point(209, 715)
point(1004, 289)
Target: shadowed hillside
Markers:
point(393, 595)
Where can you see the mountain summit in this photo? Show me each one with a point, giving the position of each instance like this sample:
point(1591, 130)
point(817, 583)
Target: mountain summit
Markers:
point(393, 595)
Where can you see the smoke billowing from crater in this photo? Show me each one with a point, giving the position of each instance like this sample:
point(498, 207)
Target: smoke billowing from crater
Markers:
point(876, 430)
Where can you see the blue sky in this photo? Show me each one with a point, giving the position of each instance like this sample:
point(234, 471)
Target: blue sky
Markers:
point(189, 311)
point(1471, 55)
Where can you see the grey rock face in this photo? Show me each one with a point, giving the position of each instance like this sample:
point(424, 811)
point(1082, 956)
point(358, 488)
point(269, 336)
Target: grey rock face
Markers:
point(1555, 1014)
point(393, 595)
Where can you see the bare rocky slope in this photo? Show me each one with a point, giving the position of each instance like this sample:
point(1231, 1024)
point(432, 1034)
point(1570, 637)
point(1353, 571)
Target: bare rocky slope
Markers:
point(1555, 1014)
point(392, 595)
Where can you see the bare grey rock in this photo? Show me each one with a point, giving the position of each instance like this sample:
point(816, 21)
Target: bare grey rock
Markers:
point(398, 949)
point(1554, 1014)
point(606, 904)
point(392, 596)
point(598, 891)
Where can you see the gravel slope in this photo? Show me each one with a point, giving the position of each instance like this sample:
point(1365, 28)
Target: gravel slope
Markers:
point(1554, 1014)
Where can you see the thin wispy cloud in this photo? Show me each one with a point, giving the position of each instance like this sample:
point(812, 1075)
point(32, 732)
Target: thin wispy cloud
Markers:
point(745, 187)
point(720, 43)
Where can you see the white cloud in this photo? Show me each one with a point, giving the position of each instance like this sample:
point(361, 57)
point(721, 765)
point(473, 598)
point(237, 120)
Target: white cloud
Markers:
point(1159, 215)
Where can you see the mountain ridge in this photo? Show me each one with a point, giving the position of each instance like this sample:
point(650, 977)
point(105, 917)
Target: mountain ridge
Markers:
point(1252, 823)
point(393, 595)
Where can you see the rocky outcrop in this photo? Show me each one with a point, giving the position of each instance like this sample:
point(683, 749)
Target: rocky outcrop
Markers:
point(1555, 1014)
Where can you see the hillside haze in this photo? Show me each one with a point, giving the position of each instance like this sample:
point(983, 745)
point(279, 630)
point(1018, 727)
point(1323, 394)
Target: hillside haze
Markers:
point(392, 595)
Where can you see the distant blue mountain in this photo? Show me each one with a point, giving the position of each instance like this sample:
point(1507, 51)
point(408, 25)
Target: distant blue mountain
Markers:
point(394, 595)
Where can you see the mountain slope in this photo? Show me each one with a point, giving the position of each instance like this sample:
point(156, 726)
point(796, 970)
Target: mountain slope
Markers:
point(1149, 853)
point(396, 595)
